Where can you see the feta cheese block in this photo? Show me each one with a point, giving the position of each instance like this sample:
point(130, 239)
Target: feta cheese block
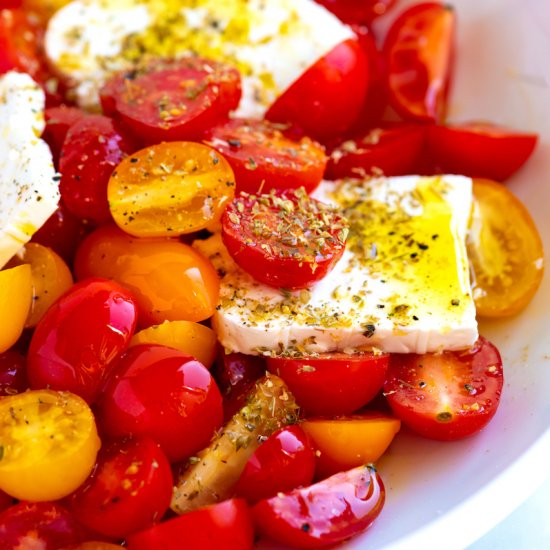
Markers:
point(28, 182)
point(272, 43)
point(401, 286)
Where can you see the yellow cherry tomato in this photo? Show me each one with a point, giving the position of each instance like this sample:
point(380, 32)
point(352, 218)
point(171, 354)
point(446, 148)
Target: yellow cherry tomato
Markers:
point(170, 189)
point(49, 444)
point(191, 338)
point(15, 303)
point(505, 251)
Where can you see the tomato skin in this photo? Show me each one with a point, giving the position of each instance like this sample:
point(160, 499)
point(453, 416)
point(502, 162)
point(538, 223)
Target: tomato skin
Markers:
point(5, 501)
point(283, 462)
point(332, 383)
point(13, 378)
point(357, 11)
point(328, 97)
point(480, 150)
point(130, 489)
point(58, 121)
point(223, 526)
point(164, 394)
point(328, 512)
point(446, 396)
point(75, 343)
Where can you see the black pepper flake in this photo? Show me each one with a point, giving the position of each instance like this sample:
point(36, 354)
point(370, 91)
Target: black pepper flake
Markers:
point(415, 318)
point(380, 306)
point(414, 255)
point(306, 527)
point(234, 143)
point(435, 237)
point(469, 388)
point(422, 384)
point(57, 177)
point(133, 160)
point(422, 246)
point(455, 302)
point(369, 331)
point(444, 417)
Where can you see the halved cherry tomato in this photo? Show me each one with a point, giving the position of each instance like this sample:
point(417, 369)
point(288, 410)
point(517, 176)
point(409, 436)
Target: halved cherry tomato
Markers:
point(170, 280)
point(13, 377)
point(49, 444)
point(505, 251)
point(448, 395)
point(327, 98)
point(284, 239)
point(164, 394)
point(74, 346)
point(328, 512)
point(38, 525)
point(393, 150)
point(170, 189)
point(332, 383)
point(480, 150)
point(283, 462)
point(129, 490)
point(263, 158)
point(419, 53)
point(93, 147)
point(223, 526)
point(58, 121)
point(357, 11)
point(5, 501)
point(346, 442)
point(173, 100)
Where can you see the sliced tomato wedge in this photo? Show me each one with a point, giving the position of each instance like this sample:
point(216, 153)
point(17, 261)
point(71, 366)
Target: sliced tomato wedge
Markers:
point(505, 251)
point(357, 11)
point(263, 159)
point(480, 150)
point(173, 100)
point(448, 395)
point(58, 121)
point(419, 54)
point(284, 239)
point(327, 512)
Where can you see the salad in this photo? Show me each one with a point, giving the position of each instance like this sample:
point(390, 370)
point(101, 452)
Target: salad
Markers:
point(222, 294)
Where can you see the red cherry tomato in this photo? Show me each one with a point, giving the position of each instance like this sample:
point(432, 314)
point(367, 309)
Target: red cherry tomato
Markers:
point(129, 490)
point(480, 150)
point(449, 395)
point(5, 501)
point(282, 463)
point(74, 345)
point(284, 239)
point(223, 526)
point(44, 525)
point(394, 150)
point(326, 100)
point(419, 53)
point(333, 383)
point(92, 149)
point(13, 378)
point(58, 121)
point(262, 158)
point(173, 100)
point(165, 394)
point(327, 512)
point(357, 11)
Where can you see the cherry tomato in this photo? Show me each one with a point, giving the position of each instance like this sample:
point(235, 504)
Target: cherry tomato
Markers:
point(328, 512)
point(129, 490)
point(170, 280)
point(44, 9)
point(394, 151)
point(93, 147)
point(284, 239)
point(480, 150)
point(38, 525)
point(262, 157)
point(170, 189)
point(5, 501)
point(223, 526)
point(165, 394)
point(173, 100)
point(505, 251)
point(357, 11)
point(332, 383)
point(347, 442)
point(93, 545)
point(419, 53)
point(282, 463)
point(49, 442)
point(448, 395)
point(13, 377)
point(326, 100)
point(58, 121)
point(77, 340)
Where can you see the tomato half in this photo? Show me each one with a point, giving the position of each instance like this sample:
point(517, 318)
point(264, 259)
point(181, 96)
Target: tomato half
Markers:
point(284, 239)
point(328, 512)
point(357, 11)
point(419, 54)
point(448, 395)
point(332, 383)
point(172, 100)
point(58, 121)
point(480, 150)
point(13, 377)
point(262, 157)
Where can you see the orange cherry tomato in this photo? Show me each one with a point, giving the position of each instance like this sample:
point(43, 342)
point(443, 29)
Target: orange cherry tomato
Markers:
point(170, 280)
point(505, 251)
point(349, 441)
point(170, 189)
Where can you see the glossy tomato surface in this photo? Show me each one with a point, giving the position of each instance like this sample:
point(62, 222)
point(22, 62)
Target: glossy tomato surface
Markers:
point(357, 11)
point(58, 121)
point(13, 374)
